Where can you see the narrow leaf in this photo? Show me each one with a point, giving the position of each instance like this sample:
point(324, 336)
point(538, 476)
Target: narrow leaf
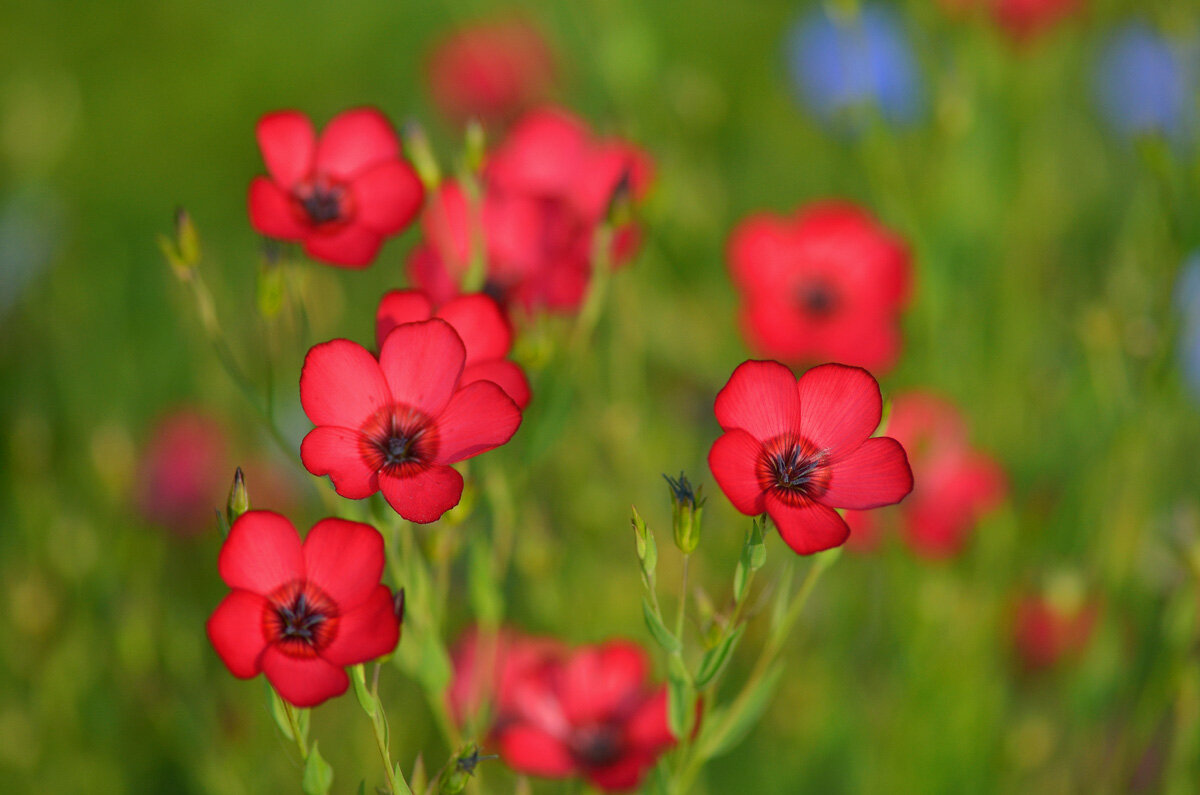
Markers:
point(715, 658)
point(318, 775)
point(681, 698)
point(358, 677)
point(662, 635)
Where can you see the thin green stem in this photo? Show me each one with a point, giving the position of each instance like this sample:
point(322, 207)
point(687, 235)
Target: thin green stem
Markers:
point(683, 598)
point(294, 723)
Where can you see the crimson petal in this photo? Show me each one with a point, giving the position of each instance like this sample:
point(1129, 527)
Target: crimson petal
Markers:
point(398, 307)
point(261, 553)
point(387, 196)
point(425, 496)
point(354, 141)
point(303, 681)
point(478, 418)
point(345, 560)
point(761, 399)
point(236, 632)
point(287, 141)
point(368, 631)
point(336, 452)
point(528, 749)
point(733, 460)
point(505, 374)
point(596, 682)
point(341, 384)
point(422, 363)
point(647, 728)
point(808, 527)
point(353, 246)
point(481, 324)
point(874, 475)
point(840, 407)
point(271, 211)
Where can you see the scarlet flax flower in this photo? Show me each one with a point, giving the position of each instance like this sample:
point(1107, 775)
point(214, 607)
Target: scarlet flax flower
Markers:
point(592, 714)
point(797, 450)
point(490, 71)
point(1053, 624)
point(396, 424)
point(479, 321)
point(826, 284)
point(488, 664)
point(546, 189)
point(301, 612)
point(339, 195)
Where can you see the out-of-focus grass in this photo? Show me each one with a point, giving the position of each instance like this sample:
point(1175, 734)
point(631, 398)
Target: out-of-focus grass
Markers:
point(1045, 253)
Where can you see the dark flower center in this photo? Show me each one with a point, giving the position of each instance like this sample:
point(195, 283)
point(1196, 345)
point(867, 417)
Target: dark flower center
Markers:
point(300, 619)
point(398, 440)
point(818, 298)
point(793, 468)
point(322, 202)
point(596, 745)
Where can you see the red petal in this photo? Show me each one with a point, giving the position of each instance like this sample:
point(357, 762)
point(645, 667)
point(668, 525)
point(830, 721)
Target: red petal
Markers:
point(329, 450)
point(621, 775)
point(597, 682)
point(354, 141)
point(481, 324)
point(345, 560)
point(761, 399)
point(478, 418)
point(840, 407)
point(397, 307)
point(425, 496)
point(505, 374)
point(809, 527)
point(527, 749)
point(287, 141)
point(271, 211)
point(874, 475)
point(387, 196)
point(341, 384)
point(542, 154)
point(353, 246)
point(427, 270)
point(422, 363)
point(236, 631)
point(733, 460)
point(647, 729)
point(261, 553)
point(759, 251)
point(368, 631)
point(303, 681)
point(447, 225)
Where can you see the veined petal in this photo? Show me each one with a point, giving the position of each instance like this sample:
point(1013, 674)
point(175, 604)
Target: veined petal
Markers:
point(387, 196)
point(398, 307)
point(478, 418)
point(505, 374)
point(479, 321)
point(874, 475)
point(368, 631)
point(271, 211)
point(261, 553)
point(761, 399)
point(303, 681)
point(333, 451)
point(354, 141)
point(422, 363)
point(840, 407)
point(236, 632)
point(342, 384)
point(733, 460)
point(288, 142)
point(808, 527)
point(424, 496)
point(345, 560)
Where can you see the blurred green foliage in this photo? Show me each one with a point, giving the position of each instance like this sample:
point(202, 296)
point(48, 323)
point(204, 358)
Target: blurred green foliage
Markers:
point(1045, 252)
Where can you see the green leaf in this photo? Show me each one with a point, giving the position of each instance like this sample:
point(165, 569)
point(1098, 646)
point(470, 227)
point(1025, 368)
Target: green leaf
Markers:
point(358, 677)
point(715, 658)
point(725, 730)
point(662, 635)
point(318, 775)
point(419, 780)
point(681, 698)
point(279, 713)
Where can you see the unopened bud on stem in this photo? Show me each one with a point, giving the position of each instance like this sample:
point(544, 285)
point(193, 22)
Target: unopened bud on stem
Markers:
point(687, 507)
point(239, 501)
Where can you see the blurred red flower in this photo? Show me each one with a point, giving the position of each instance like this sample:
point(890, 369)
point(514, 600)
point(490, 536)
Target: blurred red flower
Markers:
point(397, 423)
point(1049, 627)
point(798, 449)
point(480, 323)
point(487, 666)
point(340, 195)
point(490, 71)
point(827, 284)
point(1022, 20)
point(545, 191)
point(591, 714)
point(299, 612)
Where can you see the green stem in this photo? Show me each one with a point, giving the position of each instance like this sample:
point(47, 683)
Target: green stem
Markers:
point(297, 735)
point(683, 582)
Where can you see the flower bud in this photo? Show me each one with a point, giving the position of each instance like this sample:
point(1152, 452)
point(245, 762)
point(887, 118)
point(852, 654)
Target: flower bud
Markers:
point(239, 501)
point(183, 250)
point(647, 549)
point(687, 506)
point(416, 146)
point(476, 146)
point(454, 777)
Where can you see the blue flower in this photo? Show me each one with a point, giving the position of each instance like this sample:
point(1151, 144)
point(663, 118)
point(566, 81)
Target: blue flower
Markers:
point(1187, 299)
point(841, 64)
point(1143, 84)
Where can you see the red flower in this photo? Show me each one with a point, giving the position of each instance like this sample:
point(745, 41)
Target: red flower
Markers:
point(395, 425)
point(591, 714)
point(956, 484)
point(797, 450)
point(488, 665)
point(826, 284)
point(1022, 20)
point(299, 612)
point(340, 195)
point(546, 189)
point(490, 72)
point(1052, 626)
point(480, 323)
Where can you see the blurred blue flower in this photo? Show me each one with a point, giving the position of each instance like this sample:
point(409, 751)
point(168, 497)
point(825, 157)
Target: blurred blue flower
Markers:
point(1187, 298)
point(837, 64)
point(1143, 83)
